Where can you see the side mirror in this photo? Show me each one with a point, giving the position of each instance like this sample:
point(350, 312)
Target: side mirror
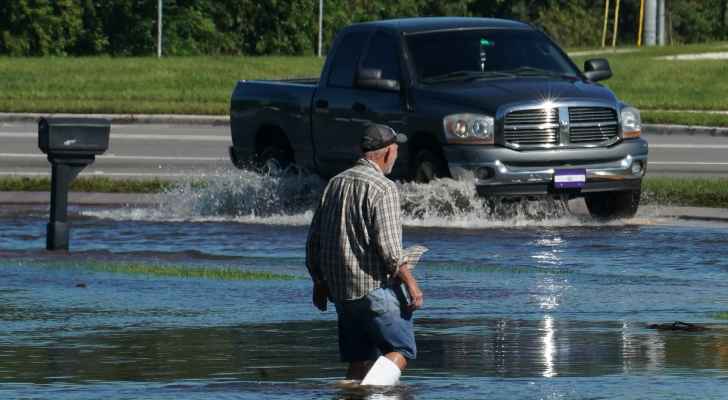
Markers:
point(597, 69)
point(370, 78)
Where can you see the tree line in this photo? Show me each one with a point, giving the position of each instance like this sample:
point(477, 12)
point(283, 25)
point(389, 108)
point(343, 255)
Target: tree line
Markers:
point(290, 27)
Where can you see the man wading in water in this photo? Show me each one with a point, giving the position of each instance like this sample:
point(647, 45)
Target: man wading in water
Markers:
point(354, 255)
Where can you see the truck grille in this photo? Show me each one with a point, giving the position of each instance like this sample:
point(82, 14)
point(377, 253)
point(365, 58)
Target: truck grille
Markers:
point(532, 127)
point(540, 127)
point(592, 124)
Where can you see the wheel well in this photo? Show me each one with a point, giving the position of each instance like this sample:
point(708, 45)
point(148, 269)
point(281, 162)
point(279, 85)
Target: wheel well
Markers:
point(270, 135)
point(425, 141)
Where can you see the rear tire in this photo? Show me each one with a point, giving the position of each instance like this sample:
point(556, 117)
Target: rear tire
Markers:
point(609, 205)
point(429, 166)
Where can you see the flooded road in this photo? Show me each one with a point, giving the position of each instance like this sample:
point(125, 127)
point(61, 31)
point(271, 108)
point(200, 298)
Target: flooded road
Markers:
point(537, 304)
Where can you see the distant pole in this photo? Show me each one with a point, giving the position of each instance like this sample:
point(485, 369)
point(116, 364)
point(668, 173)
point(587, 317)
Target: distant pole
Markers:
point(606, 23)
point(660, 22)
point(641, 23)
point(616, 25)
point(321, 25)
point(159, 29)
point(650, 22)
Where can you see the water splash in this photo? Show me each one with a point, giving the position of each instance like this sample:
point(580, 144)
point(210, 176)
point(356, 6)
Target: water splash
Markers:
point(290, 198)
point(244, 195)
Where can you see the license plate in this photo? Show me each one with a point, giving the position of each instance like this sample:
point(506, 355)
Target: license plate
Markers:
point(573, 178)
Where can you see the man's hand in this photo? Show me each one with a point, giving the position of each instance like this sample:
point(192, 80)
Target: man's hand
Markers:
point(320, 296)
point(405, 275)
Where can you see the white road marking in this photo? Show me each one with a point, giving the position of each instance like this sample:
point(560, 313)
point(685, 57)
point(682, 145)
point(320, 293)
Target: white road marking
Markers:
point(132, 136)
point(125, 158)
point(685, 163)
point(689, 146)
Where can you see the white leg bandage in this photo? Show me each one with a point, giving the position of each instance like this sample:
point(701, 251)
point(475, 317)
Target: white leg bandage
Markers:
point(384, 372)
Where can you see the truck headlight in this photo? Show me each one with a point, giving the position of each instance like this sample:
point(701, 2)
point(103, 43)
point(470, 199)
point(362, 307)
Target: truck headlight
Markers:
point(631, 123)
point(469, 128)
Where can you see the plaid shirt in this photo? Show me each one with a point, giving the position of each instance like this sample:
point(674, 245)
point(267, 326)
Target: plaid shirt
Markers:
point(355, 240)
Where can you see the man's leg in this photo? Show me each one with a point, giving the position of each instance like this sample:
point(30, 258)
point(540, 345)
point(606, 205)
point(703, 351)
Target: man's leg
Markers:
point(398, 359)
point(358, 369)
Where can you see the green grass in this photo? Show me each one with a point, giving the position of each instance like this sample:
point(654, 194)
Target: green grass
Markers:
point(202, 85)
point(685, 118)
point(652, 84)
point(174, 85)
point(692, 192)
point(175, 271)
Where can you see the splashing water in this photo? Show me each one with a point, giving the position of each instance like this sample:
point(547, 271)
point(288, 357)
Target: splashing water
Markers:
point(244, 194)
point(290, 198)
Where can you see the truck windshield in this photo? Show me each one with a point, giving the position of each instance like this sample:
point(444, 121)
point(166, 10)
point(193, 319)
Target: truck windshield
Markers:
point(485, 54)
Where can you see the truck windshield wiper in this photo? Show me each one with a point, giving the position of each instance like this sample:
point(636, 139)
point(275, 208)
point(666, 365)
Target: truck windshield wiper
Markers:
point(467, 76)
point(532, 71)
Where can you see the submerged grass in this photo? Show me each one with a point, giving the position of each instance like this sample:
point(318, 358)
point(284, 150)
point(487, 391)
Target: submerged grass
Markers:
point(95, 184)
point(178, 271)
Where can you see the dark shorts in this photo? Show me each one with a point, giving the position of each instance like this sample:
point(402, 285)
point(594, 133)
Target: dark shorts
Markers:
point(374, 325)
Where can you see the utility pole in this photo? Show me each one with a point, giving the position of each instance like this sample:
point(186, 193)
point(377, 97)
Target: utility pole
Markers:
point(321, 26)
point(650, 22)
point(159, 29)
point(661, 22)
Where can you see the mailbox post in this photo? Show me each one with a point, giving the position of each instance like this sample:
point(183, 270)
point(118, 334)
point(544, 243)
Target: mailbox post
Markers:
point(71, 144)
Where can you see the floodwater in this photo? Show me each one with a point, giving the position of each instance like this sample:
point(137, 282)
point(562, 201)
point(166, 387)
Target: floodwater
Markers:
point(528, 301)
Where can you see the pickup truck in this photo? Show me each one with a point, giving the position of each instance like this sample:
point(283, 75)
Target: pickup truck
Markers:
point(493, 101)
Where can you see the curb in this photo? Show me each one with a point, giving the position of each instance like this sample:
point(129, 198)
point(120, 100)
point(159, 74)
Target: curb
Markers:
point(664, 129)
point(167, 119)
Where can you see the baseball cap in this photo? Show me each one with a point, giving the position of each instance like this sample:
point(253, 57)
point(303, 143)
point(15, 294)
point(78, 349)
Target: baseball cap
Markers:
point(378, 136)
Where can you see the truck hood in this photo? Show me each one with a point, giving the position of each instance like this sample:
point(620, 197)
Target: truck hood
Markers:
point(488, 95)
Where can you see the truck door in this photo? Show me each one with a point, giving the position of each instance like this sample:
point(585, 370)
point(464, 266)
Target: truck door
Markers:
point(384, 106)
point(335, 136)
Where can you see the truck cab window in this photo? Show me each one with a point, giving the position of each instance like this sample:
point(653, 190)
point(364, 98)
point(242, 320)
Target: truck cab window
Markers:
point(383, 54)
point(346, 58)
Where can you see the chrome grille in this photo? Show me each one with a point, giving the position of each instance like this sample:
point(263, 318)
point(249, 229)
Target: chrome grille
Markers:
point(592, 125)
point(540, 127)
point(532, 127)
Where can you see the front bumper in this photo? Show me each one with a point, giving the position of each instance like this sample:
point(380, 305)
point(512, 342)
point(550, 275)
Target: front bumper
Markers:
point(498, 171)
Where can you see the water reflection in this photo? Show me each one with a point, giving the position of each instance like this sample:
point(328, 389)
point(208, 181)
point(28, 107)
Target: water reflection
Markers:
point(549, 347)
point(301, 351)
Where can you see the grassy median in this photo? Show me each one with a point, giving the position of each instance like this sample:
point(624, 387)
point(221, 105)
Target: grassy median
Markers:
point(202, 85)
point(642, 77)
point(693, 192)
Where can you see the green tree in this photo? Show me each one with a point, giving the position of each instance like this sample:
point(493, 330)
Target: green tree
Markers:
point(39, 27)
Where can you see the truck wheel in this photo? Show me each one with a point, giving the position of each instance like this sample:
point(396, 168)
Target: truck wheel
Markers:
point(429, 166)
point(607, 205)
point(273, 159)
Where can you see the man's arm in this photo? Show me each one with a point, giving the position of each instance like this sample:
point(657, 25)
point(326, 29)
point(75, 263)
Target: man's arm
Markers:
point(387, 230)
point(320, 291)
point(405, 275)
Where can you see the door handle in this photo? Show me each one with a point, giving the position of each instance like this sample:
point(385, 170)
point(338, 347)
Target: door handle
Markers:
point(358, 107)
point(321, 104)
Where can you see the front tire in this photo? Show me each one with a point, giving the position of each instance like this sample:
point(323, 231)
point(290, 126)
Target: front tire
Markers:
point(273, 159)
point(610, 205)
point(429, 166)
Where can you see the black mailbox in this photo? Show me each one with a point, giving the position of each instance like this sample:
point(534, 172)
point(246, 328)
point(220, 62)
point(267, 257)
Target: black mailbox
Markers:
point(73, 136)
point(71, 145)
